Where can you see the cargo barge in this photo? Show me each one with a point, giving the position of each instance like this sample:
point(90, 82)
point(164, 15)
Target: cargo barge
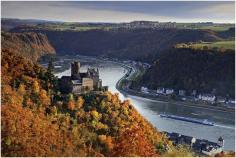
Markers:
point(187, 119)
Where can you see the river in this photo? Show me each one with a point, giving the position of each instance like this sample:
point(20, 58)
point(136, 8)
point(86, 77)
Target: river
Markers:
point(111, 72)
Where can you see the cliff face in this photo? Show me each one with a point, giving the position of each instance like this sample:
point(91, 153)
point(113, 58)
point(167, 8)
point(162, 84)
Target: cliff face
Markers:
point(30, 45)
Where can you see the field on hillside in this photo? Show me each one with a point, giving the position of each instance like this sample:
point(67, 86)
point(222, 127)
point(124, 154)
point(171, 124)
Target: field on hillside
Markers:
point(217, 27)
point(213, 27)
point(82, 27)
point(69, 26)
point(219, 44)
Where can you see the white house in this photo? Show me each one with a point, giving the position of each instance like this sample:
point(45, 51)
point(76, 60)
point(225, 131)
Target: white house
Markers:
point(221, 99)
point(212, 150)
point(207, 97)
point(144, 89)
point(231, 101)
point(182, 92)
point(160, 90)
point(169, 91)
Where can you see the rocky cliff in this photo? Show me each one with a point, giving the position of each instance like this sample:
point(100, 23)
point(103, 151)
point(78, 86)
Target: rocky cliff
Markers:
point(30, 45)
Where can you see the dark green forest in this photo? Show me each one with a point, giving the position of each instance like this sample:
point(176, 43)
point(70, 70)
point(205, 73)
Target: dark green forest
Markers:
point(202, 70)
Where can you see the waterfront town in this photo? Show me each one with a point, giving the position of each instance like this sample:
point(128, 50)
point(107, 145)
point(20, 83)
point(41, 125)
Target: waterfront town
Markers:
point(165, 93)
point(200, 146)
point(205, 98)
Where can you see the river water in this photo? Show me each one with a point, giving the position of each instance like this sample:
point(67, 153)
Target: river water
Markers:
point(110, 73)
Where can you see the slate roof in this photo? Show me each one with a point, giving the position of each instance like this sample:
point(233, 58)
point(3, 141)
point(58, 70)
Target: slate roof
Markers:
point(77, 82)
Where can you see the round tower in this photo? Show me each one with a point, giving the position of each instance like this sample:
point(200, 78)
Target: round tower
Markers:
point(220, 142)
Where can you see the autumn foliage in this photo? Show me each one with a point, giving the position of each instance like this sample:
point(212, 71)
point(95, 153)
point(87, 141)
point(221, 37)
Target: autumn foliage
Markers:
point(38, 121)
point(132, 142)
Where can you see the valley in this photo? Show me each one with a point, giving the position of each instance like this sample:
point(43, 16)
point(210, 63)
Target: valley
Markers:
point(151, 108)
point(151, 68)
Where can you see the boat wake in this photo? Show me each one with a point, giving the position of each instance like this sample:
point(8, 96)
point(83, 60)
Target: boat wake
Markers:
point(195, 114)
point(222, 126)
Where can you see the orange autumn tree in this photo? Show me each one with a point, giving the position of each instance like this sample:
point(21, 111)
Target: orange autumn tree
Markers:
point(36, 87)
point(79, 102)
point(44, 98)
point(37, 121)
point(132, 142)
point(71, 103)
point(106, 141)
point(25, 133)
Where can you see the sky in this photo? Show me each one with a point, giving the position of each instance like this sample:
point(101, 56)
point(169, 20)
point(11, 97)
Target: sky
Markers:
point(118, 11)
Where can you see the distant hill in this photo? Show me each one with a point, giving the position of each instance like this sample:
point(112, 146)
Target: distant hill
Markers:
point(133, 25)
point(31, 45)
point(7, 24)
point(230, 33)
point(202, 70)
point(139, 44)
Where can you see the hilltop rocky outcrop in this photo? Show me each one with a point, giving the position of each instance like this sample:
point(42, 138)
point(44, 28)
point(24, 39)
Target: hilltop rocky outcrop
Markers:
point(29, 44)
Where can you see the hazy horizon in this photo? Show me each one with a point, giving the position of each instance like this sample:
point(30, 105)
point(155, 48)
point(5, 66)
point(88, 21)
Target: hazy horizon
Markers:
point(123, 11)
point(114, 22)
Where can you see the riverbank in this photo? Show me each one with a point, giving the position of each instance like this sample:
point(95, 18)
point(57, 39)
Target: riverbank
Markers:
point(128, 91)
point(111, 71)
point(131, 73)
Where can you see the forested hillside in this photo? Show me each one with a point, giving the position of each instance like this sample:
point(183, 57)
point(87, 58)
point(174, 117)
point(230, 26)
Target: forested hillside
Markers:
point(138, 44)
point(38, 121)
point(189, 69)
point(31, 45)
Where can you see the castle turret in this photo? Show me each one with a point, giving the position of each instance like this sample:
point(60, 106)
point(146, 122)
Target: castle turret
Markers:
point(220, 142)
point(75, 68)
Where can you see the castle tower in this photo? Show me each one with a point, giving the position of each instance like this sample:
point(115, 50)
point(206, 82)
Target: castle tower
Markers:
point(75, 68)
point(221, 142)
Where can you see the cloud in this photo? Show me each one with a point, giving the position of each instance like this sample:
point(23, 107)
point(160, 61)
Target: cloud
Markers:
point(121, 11)
point(218, 12)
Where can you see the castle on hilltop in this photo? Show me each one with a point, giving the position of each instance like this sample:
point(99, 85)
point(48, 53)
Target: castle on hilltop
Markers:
point(80, 83)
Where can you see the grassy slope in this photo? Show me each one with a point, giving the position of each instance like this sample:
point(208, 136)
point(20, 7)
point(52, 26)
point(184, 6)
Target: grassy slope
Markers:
point(69, 26)
point(214, 27)
point(218, 44)
point(217, 28)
